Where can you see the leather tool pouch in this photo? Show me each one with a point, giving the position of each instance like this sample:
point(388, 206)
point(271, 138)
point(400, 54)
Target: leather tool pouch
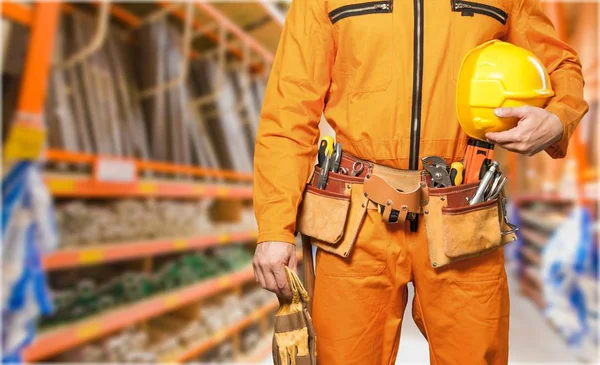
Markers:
point(393, 200)
point(333, 217)
point(294, 340)
point(458, 231)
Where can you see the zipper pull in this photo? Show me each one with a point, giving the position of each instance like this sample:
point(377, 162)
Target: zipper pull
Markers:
point(382, 6)
point(458, 6)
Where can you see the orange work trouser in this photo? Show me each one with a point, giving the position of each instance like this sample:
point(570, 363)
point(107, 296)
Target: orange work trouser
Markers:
point(461, 309)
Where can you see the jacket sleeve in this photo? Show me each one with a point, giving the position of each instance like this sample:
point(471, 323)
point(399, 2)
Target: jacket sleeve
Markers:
point(286, 142)
point(531, 29)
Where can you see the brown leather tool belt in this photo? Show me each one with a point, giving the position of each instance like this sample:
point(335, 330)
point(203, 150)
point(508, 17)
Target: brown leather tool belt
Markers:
point(398, 194)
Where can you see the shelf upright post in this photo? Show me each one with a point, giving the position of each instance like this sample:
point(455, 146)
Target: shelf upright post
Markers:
point(27, 134)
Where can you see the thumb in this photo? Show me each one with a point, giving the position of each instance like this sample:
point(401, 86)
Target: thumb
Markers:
point(518, 112)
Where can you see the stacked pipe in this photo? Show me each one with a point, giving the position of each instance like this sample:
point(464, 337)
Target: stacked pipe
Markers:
point(163, 338)
point(83, 223)
point(142, 95)
point(92, 105)
point(88, 296)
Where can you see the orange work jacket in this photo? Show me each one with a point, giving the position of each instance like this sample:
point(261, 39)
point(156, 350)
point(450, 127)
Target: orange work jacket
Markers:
point(384, 73)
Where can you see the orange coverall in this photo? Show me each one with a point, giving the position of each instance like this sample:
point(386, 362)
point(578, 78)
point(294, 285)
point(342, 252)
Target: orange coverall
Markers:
point(384, 75)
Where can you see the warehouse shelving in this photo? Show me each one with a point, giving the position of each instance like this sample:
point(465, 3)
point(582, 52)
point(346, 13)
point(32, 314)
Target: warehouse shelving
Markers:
point(69, 336)
point(204, 346)
point(263, 349)
point(86, 185)
point(73, 175)
point(105, 253)
point(17, 12)
point(536, 239)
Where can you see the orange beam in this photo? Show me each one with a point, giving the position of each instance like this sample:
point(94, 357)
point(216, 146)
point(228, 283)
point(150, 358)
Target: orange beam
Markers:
point(117, 12)
point(83, 158)
point(39, 55)
point(17, 12)
point(239, 32)
point(196, 171)
point(70, 187)
point(196, 25)
point(69, 336)
point(125, 16)
point(27, 133)
point(71, 157)
point(103, 253)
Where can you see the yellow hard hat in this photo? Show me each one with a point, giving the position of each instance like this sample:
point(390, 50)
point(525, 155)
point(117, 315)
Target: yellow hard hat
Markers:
point(498, 74)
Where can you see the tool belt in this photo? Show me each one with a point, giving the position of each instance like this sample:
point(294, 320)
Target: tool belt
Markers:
point(332, 216)
point(294, 340)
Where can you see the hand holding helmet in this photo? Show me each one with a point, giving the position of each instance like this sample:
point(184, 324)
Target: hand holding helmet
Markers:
point(501, 91)
point(536, 129)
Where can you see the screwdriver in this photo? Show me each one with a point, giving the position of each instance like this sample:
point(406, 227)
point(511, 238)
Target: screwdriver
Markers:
point(325, 149)
point(457, 173)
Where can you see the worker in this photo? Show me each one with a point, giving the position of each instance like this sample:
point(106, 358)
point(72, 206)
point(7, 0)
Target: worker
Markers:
point(384, 75)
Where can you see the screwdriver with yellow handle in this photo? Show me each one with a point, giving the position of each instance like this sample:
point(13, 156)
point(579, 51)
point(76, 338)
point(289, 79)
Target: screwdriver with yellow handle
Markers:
point(325, 149)
point(325, 153)
point(457, 173)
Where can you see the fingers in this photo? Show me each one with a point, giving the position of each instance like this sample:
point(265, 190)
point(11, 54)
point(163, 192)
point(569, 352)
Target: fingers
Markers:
point(271, 282)
point(293, 263)
point(519, 112)
point(281, 282)
point(509, 136)
point(258, 275)
point(269, 263)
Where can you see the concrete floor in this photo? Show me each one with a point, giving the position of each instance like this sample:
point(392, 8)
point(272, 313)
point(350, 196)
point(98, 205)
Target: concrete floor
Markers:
point(532, 341)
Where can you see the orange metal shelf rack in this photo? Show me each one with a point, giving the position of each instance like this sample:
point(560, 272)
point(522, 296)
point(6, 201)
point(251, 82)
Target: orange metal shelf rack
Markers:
point(67, 337)
point(61, 339)
point(68, 186)
point(61, 185)
point(217, 338)
point(100, 254)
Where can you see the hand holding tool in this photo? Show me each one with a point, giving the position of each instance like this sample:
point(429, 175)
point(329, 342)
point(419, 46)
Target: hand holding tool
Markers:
point(484, 184)
point(436, 166)
point(457, 173)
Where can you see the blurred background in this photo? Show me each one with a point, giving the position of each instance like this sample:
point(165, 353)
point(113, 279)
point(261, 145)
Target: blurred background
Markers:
point(132, 240)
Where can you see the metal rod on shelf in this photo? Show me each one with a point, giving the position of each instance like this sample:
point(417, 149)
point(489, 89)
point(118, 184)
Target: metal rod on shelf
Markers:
point(98, 38)
point(220, 74)
point(186, 45)
point(160, 13)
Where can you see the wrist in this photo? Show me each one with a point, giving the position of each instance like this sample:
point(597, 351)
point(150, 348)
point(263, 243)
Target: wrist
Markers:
point(276, 236)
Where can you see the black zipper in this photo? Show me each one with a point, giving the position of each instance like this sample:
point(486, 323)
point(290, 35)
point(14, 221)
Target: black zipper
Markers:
point(373, 7)
point(415, 125)
point(468, 8)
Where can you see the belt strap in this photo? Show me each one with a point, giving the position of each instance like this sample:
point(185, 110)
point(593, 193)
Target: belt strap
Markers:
point(381, 192)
